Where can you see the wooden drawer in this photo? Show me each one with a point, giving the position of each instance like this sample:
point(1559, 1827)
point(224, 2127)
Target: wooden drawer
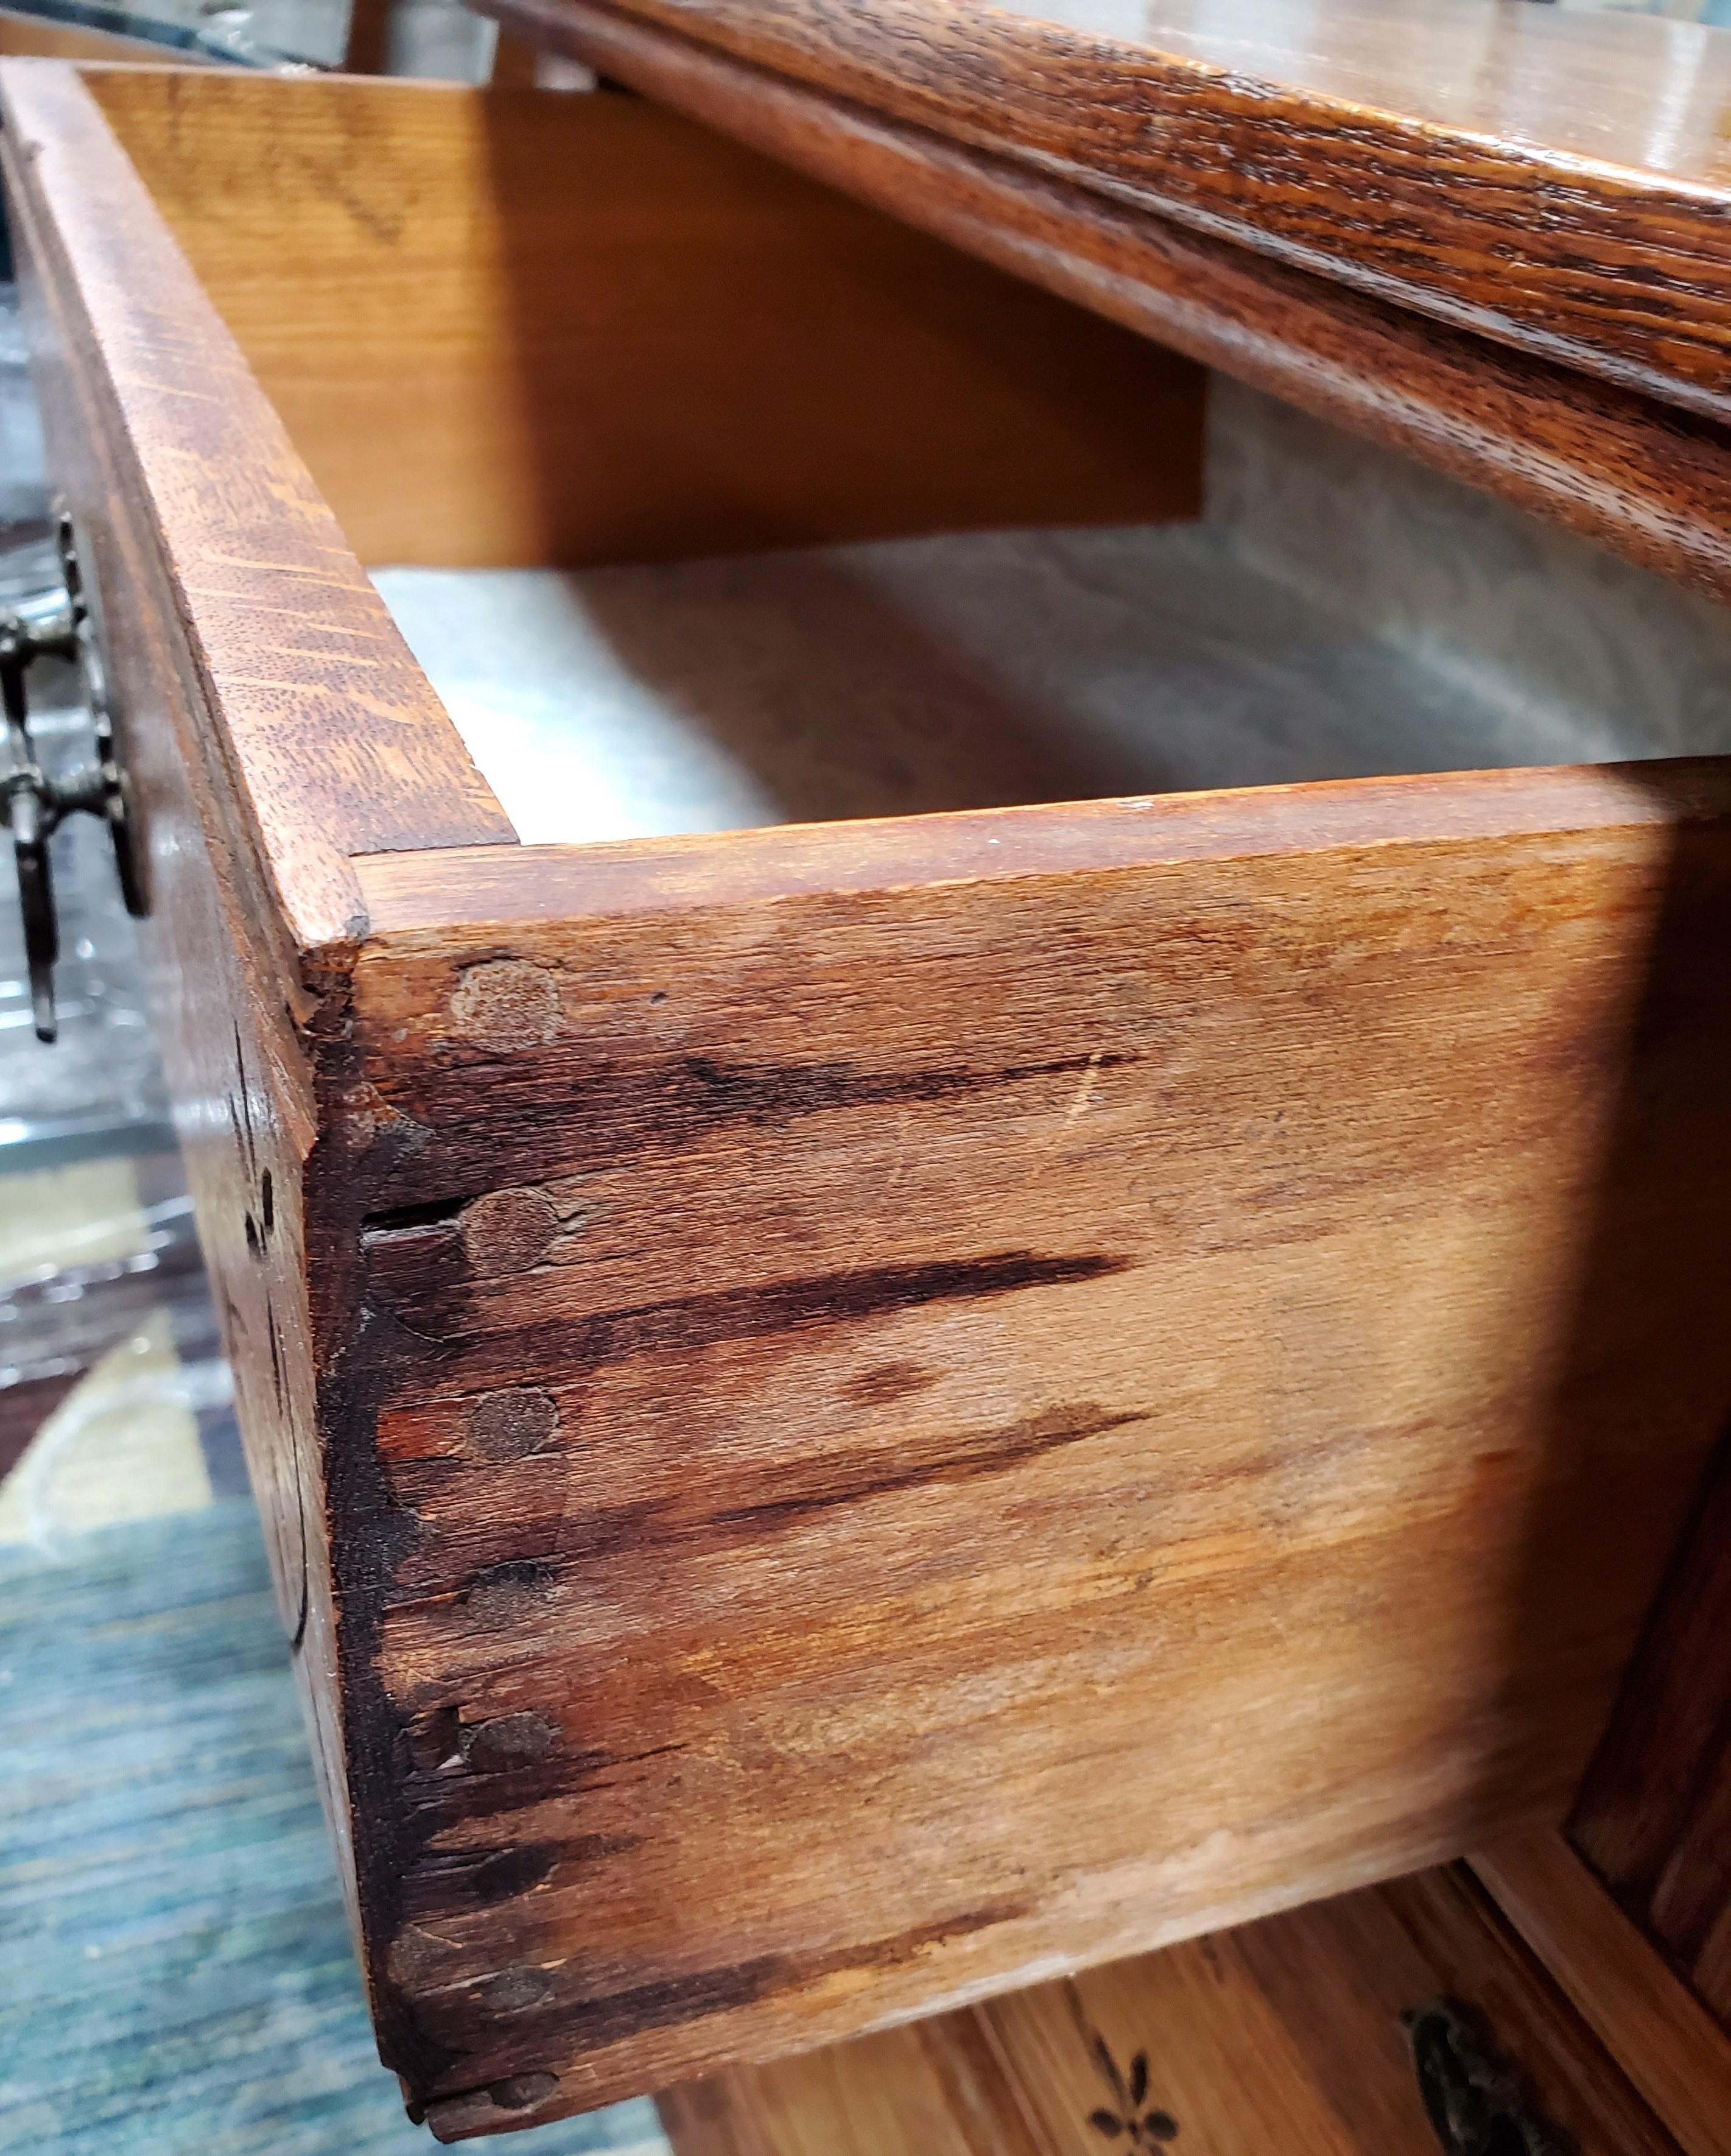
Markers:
point(865, 1387)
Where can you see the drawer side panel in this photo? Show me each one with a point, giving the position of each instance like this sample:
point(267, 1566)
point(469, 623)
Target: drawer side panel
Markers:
point(1091, 1375)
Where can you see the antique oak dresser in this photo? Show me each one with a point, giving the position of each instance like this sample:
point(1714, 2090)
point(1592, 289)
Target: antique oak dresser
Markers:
point(935, 810)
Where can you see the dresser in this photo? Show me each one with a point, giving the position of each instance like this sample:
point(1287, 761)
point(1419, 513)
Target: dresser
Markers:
point(935, 814)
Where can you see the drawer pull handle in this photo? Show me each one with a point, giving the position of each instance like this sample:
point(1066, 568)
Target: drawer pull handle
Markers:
point(56, 622)
point(1474, 2097)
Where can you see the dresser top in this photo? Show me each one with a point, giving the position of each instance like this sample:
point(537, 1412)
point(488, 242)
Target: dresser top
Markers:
point(1559, 179)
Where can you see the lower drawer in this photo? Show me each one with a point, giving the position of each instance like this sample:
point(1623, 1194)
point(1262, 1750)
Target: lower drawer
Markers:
point(1400, 2021)
point(865, 1387)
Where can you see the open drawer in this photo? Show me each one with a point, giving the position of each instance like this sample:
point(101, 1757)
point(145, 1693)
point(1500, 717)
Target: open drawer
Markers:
point(865, 1387)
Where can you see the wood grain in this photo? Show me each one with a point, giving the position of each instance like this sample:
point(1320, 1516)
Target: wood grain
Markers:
point(1670, 2048)
point(1186, 1340)
point(1560, 183)
point(847, 1414)
point(629, 338)
point(1652, 483)
point(1284, 2034)
point(315, 730)
point(1653, 1814)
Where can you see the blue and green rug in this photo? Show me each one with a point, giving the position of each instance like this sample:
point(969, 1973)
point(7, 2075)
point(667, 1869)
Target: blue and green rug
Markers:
point(175, 1977)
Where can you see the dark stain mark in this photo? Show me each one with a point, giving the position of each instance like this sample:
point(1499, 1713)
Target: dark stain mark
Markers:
point(585, 1770)
point(267, 1202)
point(364, 1354)
point(591, 2023)
point(504, 1594)
point(775, 1093)
point(851, 1481)
point(886, 1383)
point(444, 1780)
point(616, 2017)
point(565, 1115)
point(510, 1872)
point(360, 1354)
point(254, 1242)
point(491, 1876)
point(578, 1347)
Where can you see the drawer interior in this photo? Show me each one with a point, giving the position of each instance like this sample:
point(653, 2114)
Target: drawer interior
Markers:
point(707, 498)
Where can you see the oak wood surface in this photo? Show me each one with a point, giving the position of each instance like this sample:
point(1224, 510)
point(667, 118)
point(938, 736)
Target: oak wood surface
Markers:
point(996, 1387)
point(1284, 2034)
point(319, 734)
point(846, 1413)
point(1639, 476)
point(628, 338)
point(1653, 1814)
point(1670, 2048)
point(1560, 182)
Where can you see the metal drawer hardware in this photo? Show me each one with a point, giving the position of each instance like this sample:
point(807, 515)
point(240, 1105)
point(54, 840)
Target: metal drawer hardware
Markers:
point(56, 622)
point(1474, 2098)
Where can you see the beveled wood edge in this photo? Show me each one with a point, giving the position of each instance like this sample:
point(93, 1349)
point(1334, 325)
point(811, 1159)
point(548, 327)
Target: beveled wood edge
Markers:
point(1647, 480)
point(145, 333)
point(1009, 81)
point(1665, 2041)
point(415, 895)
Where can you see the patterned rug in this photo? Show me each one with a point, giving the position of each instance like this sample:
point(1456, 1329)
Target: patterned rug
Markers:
point(175, 1976)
